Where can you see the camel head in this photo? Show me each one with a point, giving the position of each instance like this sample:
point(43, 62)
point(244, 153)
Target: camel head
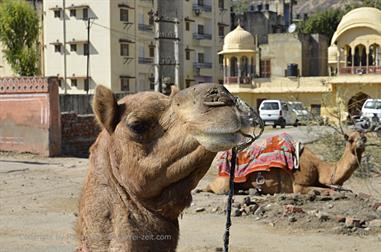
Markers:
point(356, 142)
point(161, 146)
point(205, 113)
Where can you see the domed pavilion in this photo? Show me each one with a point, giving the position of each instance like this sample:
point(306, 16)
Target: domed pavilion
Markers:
point(239, 57)
point(355, 46)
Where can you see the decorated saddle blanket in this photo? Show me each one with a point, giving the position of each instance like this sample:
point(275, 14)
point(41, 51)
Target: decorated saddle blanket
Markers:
point(275, 151)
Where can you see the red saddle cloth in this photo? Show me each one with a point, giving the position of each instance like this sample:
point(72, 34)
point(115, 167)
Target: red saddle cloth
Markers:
point(275, 151)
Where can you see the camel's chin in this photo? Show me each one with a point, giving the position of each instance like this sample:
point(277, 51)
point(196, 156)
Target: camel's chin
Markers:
point(219, 142)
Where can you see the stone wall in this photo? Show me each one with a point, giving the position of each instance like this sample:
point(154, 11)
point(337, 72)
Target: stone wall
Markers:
point(78, 133)
point(29, 115)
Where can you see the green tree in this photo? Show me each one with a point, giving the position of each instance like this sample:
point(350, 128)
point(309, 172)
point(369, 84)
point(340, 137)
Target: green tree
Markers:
point(18, 35)
point(324, 22)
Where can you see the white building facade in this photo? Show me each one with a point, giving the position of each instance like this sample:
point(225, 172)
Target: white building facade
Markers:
point(121, 44)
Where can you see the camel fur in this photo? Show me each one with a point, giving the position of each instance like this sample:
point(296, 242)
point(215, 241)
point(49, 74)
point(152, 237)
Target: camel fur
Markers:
point(151, 153)
point(313, 174)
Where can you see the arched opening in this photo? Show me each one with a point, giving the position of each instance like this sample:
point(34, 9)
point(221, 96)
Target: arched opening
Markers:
point(360, 56)
point(355, 104)
point(374, 55)
point(348, 53)
point(233, 66)
point(244, 66)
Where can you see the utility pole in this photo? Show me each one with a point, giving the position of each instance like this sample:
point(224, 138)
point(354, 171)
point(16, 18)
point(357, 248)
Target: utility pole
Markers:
point(157, 57)
point(64, 42)
point(87, 83)
point(167, 36)
point(176, 48)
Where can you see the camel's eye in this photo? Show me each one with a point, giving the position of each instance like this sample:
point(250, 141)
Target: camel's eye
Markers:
point(139, 127)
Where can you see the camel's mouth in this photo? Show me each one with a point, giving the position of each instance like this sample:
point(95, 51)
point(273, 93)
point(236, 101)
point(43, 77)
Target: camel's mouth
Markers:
point(216, 142)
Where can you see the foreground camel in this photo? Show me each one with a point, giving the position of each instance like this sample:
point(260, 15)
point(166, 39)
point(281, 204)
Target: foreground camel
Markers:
point(313, 174)
point(151, 153)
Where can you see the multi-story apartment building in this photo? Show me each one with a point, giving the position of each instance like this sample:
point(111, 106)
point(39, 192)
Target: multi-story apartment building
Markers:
point(203, 25)
point(121, 42)
point(110, 44)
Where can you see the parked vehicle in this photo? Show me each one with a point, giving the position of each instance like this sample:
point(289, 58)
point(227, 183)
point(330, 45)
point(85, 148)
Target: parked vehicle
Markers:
point(369, 125)
point(277, 112)
point(370, 108)
point(301, 112)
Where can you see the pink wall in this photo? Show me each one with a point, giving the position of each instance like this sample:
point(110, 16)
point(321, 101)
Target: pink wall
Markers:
point(30, 115)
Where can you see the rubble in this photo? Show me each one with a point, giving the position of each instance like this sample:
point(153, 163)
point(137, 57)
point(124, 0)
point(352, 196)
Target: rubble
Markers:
point(351, 222)
point(375, 223)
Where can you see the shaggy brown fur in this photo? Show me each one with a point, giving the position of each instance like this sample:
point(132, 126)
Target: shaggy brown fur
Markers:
point(147, 160)
point(314, 173)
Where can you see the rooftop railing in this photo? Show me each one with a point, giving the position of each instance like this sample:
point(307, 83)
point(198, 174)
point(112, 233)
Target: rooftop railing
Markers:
point(203, 7)
point(200, 36)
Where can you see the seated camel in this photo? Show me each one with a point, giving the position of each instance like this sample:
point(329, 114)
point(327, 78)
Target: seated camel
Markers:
point(278, 175)
point(151, 153)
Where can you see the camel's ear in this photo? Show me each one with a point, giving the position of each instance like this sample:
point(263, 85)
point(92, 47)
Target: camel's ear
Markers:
point(105, 108)
point(174, 90)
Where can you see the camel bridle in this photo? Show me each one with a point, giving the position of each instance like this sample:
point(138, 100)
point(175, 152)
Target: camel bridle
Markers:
point(256, 122)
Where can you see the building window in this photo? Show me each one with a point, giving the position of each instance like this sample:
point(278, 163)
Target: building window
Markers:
point(124, 15)
point(200, 29)
point(221, 31)
point(124, 50)
point(221, 4)
point(57, 48)
point(187, 26)
point(124, 84)
point(316, 109)
point(86, 49)
point(200, 2)
point(57, 13)
point(73, 12)
point(187, 55)
point(60, 83)
point(85, 13)
point(151, 82)
point(86, 84)
point(221, 59)
point(152, 51)
point(73, 47)
point(74, 82)
point(201, 58)
point(265, 68)
point(187, 83)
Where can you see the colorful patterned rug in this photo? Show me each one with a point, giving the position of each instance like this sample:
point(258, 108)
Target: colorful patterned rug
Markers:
point(275, 151)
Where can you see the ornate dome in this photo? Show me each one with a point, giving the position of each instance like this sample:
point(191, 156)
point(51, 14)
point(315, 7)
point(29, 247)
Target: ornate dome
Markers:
point(360, 17)
point(238, 40)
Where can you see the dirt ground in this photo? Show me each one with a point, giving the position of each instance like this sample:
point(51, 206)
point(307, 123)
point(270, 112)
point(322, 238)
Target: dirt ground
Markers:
point(38, 207)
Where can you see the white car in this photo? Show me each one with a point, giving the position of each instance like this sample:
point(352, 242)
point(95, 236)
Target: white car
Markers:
point(371, 107)
point(277, 112)
point(302, 114)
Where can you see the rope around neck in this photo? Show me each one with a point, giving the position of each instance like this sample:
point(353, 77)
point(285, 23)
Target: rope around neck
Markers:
point(230, 199)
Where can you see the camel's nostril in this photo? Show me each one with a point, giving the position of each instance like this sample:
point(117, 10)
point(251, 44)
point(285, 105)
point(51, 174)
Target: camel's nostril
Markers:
point(216, 97)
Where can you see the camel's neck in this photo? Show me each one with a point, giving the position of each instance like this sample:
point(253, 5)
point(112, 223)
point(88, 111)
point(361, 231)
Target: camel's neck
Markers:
point(345, 167)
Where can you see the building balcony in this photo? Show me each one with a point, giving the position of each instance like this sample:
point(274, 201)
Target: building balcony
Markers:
point(202, 65)
point(234, 80)
point(144, 60)
point(203, 79)
point(204, 7)
point(146, 2)
point(145, 27)
point(361, 70)
point(200, 36)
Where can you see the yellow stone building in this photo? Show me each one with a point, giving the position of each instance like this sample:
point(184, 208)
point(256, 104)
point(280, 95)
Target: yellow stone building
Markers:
point(354, 69)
